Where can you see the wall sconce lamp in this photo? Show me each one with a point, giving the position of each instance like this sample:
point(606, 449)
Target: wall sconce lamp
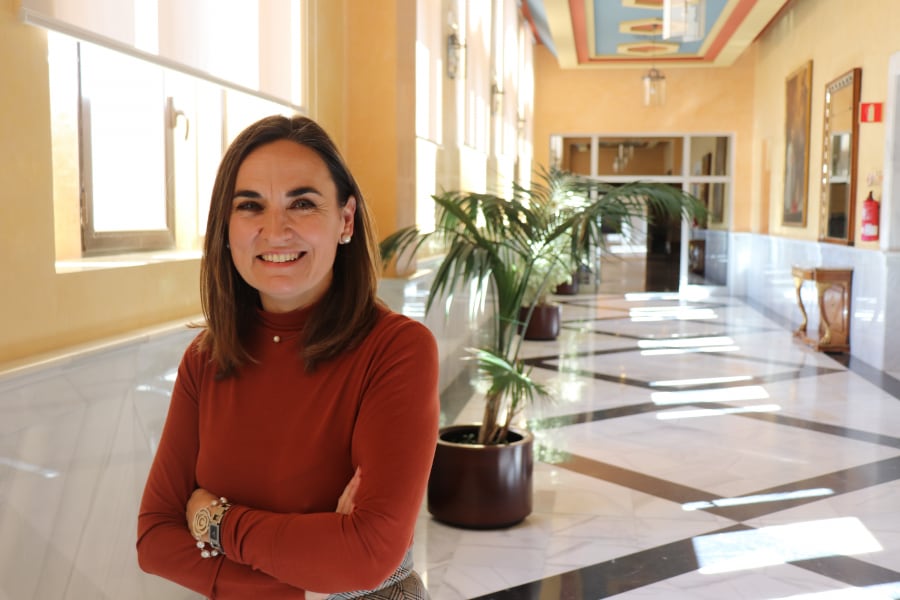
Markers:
point(496, 98)
point(454, 49)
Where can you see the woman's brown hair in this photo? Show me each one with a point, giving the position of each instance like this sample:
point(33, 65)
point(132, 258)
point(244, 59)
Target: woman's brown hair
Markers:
point(348, 310)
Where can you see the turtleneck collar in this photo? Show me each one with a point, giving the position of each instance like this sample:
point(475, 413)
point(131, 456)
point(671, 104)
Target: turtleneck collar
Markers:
point(284, 323)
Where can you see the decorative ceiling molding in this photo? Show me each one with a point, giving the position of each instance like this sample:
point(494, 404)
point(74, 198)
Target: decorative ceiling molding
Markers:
point(651, 26)
point(614, 33)
point(651, 4)
point(648, 49)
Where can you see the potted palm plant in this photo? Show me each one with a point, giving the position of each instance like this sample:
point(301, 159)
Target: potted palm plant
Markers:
point(515, 250)
point(552, 269)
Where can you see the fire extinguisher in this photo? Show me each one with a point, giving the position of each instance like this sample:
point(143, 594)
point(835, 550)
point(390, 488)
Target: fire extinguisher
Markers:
point(870, 219)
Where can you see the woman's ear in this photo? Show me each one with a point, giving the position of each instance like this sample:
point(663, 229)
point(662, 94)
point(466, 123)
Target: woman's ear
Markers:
point(348, 211)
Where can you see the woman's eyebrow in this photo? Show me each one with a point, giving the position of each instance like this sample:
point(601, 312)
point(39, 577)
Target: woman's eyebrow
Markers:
point(306, 189)
point(300, 191)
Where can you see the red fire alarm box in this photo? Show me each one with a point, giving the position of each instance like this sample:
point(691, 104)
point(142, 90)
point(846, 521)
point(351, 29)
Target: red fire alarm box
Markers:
point(870, 112)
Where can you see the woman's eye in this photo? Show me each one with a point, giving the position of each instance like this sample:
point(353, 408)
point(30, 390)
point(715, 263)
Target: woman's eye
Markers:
point(303, 203)
point(249, 205)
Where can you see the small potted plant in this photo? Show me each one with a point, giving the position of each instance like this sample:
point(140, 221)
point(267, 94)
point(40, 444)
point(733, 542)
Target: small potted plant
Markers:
point(551, 270)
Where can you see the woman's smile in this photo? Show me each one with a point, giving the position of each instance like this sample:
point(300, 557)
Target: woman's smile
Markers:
point(280, 258)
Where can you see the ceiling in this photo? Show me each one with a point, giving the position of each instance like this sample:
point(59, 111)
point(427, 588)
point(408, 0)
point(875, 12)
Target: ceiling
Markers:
point(585, 34)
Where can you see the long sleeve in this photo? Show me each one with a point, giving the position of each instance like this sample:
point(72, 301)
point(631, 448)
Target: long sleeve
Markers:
point(282, 445)
point(165, 546)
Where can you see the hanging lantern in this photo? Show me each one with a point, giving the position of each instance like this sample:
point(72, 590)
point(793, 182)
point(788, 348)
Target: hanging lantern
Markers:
point(654, 88)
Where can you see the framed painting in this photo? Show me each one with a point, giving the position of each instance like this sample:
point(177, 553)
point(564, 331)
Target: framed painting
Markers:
point(796, 145)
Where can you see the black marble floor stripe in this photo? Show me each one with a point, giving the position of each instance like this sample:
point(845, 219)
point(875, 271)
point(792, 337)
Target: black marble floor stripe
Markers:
point(624, 380)
point(614, 302)
point(836, 430)
point(885, 381)
point(647, 407)
point(550, 362)
point(784, 363)
point(641, 482)
point(797, 373)
point(633, 571)
point(592, 416)
point(722, 328)
point(612, 577)
point(637, 336)
point(727, 355)
point(839, 482)
point(850, 570)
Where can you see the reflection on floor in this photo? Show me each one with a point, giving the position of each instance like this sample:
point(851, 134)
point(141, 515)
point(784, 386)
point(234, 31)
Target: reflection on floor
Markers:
point(694, 450)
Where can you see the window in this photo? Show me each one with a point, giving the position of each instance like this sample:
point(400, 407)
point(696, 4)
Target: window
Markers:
point(127, 178)
point(135, 149)
point(478, 76)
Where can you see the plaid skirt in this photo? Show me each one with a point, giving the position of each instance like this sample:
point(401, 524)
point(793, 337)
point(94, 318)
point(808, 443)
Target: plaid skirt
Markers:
point(410, 588)
point(403, 584)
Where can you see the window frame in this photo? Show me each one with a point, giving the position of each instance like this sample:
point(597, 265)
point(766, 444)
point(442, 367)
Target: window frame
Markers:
point(95, 242)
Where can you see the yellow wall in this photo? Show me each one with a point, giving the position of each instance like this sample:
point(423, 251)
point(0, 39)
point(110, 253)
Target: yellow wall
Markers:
point(42, 311)
point(380, 107)
point(700, 100)
point(328, 52)
point(837, 36)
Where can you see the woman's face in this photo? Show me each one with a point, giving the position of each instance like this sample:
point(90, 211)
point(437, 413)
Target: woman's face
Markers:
point(285, 224)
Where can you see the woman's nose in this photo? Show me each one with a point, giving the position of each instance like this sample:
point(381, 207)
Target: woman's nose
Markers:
point(276, 225)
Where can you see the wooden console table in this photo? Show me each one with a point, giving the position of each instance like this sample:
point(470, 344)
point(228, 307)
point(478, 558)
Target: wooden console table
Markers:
point(833, 287)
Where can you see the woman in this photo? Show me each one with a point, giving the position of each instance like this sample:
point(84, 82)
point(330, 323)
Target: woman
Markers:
point(303, 421)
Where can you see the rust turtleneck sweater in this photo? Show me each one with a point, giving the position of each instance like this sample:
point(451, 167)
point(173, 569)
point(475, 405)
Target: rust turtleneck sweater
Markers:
point(281, 444)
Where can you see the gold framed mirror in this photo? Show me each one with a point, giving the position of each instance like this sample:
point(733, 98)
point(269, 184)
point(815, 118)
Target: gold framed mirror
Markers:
point(840, 143)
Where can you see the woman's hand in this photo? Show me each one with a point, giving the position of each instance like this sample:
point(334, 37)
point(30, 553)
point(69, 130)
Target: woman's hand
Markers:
point(201, 498)
point(348, 497)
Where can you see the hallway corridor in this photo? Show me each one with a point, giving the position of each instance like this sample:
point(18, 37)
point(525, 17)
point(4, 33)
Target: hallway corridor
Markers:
point(694, 450)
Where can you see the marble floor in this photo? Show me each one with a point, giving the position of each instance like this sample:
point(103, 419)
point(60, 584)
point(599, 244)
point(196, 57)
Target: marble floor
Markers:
point(693, 450)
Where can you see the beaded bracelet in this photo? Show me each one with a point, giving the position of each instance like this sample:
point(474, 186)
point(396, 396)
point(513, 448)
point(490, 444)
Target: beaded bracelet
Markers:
point(208, 520)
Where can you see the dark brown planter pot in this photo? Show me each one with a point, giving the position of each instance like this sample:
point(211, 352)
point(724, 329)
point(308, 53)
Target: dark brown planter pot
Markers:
point(568, 289)
point(545, 322)
point(481, 487)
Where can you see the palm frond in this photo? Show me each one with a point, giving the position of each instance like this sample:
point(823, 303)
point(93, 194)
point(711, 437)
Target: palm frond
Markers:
point(512, 379)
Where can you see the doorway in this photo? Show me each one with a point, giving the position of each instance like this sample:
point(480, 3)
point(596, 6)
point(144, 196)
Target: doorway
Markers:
point(673, 253)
